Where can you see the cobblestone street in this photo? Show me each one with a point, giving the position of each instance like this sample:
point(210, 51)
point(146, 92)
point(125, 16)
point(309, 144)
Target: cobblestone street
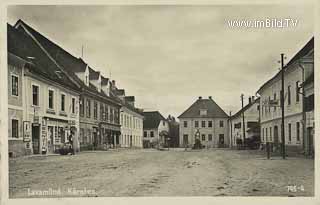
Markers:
point(215, 172)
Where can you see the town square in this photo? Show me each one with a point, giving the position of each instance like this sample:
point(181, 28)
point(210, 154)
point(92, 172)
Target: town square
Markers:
point(135, 101)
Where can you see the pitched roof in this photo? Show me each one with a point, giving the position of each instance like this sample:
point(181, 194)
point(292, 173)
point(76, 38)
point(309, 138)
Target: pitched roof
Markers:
point(244, 108)
point(23, 46)
point(119, 92)
point(152, 119)
point(301, 53)
point(309, 80)
point(213, 110)
point(93, 75)
point(69, 63)
point(104, 81)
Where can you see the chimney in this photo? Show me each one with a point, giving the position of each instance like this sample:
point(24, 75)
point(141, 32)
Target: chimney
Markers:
point(210, 97)
point(249, 100)
point(200, 97)
point(252, 99)
point(114, 83)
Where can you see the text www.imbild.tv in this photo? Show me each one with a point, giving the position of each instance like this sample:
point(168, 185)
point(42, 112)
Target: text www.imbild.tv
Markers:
point(263, 23)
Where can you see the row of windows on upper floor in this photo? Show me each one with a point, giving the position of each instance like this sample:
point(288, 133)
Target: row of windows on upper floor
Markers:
point(107, 113)
point(130, 121)
point(267, 132)
point(288, 98)
point(203, 123)
point(36, 96)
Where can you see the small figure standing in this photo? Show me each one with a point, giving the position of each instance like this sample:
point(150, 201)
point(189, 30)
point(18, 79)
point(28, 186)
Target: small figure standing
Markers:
point(71, 143)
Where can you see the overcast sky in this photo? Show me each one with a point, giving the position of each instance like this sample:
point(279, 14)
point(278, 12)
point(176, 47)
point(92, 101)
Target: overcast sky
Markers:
point(167, 56)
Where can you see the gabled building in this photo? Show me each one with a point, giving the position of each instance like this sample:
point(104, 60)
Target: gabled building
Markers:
point(308, 87)
point(155, 129)
point(131, 120)
point(43, 101)
point(99, 111)
point(205, 121)
point(296, 71)
point(251, 124)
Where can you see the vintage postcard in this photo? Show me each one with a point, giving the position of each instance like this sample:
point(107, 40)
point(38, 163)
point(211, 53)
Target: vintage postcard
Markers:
point(159, 100)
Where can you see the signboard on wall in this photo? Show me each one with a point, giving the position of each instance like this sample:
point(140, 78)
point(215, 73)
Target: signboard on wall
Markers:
point(26, 131)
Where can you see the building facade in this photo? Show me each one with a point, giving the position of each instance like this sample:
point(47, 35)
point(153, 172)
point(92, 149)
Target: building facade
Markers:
point(250, 114)
point(98, 110)
point(295, 72)
point(155, 129)
point(43, 102)
point(206, 121)
point(308, 86)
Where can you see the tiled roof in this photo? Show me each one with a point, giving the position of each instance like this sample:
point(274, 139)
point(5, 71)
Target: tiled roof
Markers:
point(23, 46)
point(152, 119)
point(245, 108)
point(130, 98)
point(213, 110)
point(120, 92)
point(301, 53)
point(67, 61)
point(93, 75)
point(309, 80)
point(104, 81)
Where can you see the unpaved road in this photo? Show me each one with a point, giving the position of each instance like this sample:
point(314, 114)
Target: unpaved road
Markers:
point(217, 172)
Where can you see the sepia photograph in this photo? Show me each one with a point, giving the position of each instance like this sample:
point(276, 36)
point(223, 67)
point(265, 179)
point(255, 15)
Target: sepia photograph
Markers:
point(160, 100)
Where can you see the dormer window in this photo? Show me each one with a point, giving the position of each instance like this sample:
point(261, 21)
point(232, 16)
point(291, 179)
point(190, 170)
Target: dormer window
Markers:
point(86, 80)
point(203, 112)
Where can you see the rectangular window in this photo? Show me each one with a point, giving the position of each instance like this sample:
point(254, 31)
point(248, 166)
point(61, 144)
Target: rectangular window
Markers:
point(298, 131)
point(221, 123)
point(14, 85)
point(81, 106)
point(106, 117)
point(63, 101)
point(95, 110)
point(266, 134)
point(145, 134)
point(196, 124)
point(210, 123)
point(203, 123)
point(275, 98)
point(289, 131)
point(14, 128)
point(51, 99)
point(262, 134)
point(289, 95)
point(269, 105)
point(203, 137)
point(88, 108)
point(210, 137)
point(35, 95)
point(101, 112)
point(151, 134)
point(270, 134)
point(297, 92)
point(73, 105)
point(185, 123)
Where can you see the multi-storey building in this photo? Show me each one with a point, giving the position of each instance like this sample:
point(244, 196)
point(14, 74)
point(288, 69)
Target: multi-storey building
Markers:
point(43, 101)
point(99, 111)
point(295, 72)
point(308, 87)
point(131, 120)
point(206, 121)
point(155, 129)
point(250, 115)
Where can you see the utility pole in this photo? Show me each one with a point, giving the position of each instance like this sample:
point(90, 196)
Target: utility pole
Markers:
point(243, 127)
point(282, 109)
point(231, 131)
